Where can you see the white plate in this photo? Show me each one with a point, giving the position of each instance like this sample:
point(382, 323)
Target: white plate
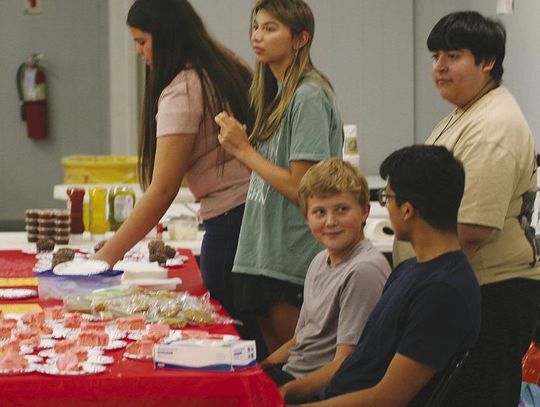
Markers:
point(87, 368)
point(46, 343)
point(33, 358)
point(17, 293)
point(116, 333)
point(174, 335)
point(100, 359)
point(50, 353)
point(28, 369)
point(112, 345)
point(168, 284)
point(174, 262)
point(137, 357)
point(81, 268)
point(92, 359)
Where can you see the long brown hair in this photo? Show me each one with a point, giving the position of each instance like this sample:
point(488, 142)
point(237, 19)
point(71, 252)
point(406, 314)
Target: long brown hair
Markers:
point(269, 109)
point(180, 41)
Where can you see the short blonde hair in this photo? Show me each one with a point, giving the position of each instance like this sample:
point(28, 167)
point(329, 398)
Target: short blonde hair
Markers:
point(331, 177)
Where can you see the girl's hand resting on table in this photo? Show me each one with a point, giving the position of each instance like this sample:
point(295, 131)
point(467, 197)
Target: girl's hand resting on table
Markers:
point(233, 136)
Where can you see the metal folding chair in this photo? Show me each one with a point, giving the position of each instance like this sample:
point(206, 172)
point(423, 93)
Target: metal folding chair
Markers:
point(448, 375)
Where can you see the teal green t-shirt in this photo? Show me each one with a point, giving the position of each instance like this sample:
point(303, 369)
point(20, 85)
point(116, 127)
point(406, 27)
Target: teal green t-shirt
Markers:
point(275, 240)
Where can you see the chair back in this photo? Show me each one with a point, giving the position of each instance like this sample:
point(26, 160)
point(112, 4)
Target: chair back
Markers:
point(449, 373)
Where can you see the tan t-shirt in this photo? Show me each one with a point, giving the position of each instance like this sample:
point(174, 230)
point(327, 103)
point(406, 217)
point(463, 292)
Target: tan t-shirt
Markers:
point(494, 142)
point(180, 111)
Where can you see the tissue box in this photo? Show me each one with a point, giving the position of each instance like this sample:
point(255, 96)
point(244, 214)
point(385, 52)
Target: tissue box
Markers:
point(53, 286)
point(205, 355)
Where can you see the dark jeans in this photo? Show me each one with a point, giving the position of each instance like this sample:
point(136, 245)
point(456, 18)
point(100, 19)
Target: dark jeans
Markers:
point(217, 254)
point(216, 261)
point(491, 376)
point(278, 375)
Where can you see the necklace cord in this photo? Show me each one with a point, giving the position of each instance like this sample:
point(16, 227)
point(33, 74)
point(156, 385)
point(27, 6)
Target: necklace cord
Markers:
point(488, 87)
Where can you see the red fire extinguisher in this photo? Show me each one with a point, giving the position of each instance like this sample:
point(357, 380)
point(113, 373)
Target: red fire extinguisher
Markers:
point(33, 102)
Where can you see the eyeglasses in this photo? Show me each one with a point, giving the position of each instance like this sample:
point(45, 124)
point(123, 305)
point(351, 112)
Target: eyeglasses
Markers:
point(384, 196)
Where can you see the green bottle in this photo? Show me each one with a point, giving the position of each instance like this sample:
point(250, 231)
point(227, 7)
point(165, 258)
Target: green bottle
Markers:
point(121, 203)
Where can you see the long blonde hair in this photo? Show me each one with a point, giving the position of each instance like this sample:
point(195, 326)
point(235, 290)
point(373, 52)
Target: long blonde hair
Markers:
point(269, 109)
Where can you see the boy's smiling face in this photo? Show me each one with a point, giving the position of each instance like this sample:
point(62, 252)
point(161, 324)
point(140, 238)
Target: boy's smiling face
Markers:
point(337, 222)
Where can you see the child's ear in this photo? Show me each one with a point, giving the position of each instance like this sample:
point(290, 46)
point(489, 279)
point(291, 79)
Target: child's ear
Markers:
point(367, 208)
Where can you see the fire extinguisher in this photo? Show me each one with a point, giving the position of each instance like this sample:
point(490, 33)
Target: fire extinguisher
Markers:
point(33, 102)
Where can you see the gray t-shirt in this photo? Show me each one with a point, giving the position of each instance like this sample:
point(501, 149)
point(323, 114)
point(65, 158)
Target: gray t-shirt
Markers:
point(337, 304)
point(275, 240)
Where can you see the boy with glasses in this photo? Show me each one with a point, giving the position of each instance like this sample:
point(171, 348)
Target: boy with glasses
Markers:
point(430, 307)
point(489, 134)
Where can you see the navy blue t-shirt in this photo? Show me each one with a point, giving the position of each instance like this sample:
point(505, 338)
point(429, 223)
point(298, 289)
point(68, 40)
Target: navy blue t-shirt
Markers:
point(428, 311)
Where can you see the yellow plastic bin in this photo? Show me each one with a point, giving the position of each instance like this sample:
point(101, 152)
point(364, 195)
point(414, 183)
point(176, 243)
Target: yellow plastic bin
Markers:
point(100, 169)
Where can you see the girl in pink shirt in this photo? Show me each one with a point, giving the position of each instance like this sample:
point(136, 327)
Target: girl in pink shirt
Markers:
point(190, 77)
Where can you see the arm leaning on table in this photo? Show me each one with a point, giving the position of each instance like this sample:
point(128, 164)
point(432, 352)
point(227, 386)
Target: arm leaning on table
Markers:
point(404, 378)
point(171, 160)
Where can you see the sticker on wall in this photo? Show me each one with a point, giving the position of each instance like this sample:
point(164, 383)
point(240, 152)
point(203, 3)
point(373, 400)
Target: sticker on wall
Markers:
point(32, 7)
point(505, 6)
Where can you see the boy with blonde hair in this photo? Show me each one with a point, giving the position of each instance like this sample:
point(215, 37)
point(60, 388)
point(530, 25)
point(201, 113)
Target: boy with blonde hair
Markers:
point(343, 282)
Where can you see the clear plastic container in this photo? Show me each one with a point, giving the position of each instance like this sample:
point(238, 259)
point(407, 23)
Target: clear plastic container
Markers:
point(183, 227)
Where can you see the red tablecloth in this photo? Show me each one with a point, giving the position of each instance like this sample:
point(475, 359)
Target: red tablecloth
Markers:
point(136, 383)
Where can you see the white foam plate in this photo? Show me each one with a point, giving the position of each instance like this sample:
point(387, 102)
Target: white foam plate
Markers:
point(47, 343)
point(138, 266)
point(87, 368)
point(50, 353)
point(154, 283)
point(174, 262)
point(28, 369)
point(92, 359)
point(174, 335)
point(34, 358)
point(81, 268)
point(113, 344)
point(137, 357)
point(17, 293)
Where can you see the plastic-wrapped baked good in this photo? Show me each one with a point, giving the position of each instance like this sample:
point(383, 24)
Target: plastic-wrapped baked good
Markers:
point(170, 252)
point(198, 317)
point(160, 257)
point(62, 255)
point(174, 308)
point(159, 251)
point(45, 245)
point(155, 245)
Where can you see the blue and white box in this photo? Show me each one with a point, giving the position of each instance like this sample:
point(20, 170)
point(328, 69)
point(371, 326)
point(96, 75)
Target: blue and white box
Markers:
point(205, 354)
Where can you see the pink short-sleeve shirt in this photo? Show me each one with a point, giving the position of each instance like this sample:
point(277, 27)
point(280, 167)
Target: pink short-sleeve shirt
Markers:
point(219, 188)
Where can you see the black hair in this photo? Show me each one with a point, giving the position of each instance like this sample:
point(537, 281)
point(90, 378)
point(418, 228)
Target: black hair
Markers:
point(430, 179)
point(180, 41)
point(484, 37)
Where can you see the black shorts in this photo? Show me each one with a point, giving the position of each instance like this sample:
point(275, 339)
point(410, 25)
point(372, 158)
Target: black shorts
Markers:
point(254, 294)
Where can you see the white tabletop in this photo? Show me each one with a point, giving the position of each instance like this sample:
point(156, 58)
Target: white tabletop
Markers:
point(17, 241)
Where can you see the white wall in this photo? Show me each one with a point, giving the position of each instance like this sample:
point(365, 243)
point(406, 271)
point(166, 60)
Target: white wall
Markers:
point(373, 51)
point(73, 36)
